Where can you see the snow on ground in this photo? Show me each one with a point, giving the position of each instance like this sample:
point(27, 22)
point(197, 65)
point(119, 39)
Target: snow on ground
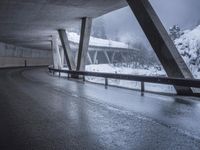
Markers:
point(129, 84)
point(109, 68)
point(74, 37)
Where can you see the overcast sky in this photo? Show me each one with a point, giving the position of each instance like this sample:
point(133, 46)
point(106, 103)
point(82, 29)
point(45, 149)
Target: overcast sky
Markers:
point(185, 13)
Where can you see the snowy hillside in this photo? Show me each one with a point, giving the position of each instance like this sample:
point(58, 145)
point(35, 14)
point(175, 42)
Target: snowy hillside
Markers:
point(189, 47)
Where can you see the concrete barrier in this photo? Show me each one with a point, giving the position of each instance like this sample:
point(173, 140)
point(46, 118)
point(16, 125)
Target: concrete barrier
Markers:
point(16, 56)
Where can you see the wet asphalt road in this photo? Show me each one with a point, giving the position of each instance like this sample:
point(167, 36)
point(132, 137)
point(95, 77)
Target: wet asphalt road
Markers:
point(42, 112)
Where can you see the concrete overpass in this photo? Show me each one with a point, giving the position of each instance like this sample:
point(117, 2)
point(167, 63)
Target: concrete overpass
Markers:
point(39, 111)
point(109, 52)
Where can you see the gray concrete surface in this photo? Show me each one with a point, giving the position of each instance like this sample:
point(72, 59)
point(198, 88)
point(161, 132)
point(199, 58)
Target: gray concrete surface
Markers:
point(86, 27)
point(31, 23)
point(42, 112)
point(57, 62)
point(15, 56)
point(67, 49)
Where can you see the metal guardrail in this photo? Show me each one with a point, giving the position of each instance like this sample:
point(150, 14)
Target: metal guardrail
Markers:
point(193, 83)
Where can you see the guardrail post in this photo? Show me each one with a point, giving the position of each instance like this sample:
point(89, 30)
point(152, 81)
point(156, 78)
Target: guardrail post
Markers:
point(106, 83)
point(83, 78)
point(68, 76)
point(142, 88)
point(59, 73)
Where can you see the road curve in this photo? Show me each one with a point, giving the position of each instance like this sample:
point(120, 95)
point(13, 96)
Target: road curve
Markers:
point(39, 111)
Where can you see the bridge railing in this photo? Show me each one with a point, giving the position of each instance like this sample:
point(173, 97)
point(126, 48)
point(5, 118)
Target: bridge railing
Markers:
point(193, 83)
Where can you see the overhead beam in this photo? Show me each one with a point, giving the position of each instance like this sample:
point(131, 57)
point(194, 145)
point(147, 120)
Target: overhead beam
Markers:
point(159, 39)
point(67, 51)
point(86, 26)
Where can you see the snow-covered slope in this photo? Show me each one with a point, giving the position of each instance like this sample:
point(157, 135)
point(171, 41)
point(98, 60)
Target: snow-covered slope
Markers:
point(189, 47)
point(124, 70)
point(129, 84)
point(74, 37)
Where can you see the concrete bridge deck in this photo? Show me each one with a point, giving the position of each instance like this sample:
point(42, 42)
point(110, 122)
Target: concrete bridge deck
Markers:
point(41, 112)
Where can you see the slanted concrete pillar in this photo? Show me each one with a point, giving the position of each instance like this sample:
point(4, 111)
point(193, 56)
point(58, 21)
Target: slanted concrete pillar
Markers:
point(67, 51)
point(62, 56)
point(163, 46)
point(123, 56)
point(56, 53)
point(89, 58)
point(84, 43)
point(95, 57)
point(107, 57)
point(113, 57)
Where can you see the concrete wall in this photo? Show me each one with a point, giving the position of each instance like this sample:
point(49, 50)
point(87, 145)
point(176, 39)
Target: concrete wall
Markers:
point(15, 56)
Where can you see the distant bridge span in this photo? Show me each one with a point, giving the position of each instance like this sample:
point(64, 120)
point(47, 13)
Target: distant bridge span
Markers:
point(105, 49)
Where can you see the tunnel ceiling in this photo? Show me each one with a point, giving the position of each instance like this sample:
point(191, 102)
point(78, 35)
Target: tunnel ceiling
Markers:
point(30, 23)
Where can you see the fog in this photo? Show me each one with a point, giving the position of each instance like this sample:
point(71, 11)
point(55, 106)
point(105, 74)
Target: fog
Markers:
point(123, 24)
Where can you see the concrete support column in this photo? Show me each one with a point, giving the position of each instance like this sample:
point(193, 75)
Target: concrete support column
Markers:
point(107, 57)
point(84, 43)
point(123, 57)
point(62, 56)
point(67, 51)
point(56, 53)
point(113, 57)
point(89, 58)
point(95, 57)
point(163, 46)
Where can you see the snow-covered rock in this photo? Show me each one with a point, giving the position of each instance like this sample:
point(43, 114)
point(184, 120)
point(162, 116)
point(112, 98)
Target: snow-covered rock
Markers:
point(189, 47)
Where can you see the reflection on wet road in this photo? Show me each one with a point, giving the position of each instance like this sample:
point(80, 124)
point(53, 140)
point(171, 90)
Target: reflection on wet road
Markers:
point(42, 112)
